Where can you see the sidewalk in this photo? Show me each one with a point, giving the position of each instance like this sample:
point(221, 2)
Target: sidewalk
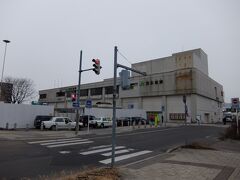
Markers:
point(23, 134)
point(188, 164)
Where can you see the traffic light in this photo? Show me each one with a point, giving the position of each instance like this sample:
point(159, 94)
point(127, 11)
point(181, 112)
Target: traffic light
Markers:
point(96, 66)
point(125, 79)
point(74, 97)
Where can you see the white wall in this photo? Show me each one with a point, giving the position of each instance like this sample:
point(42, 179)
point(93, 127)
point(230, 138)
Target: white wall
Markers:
point(21, 114)
point(101, 112)
point(208, 106)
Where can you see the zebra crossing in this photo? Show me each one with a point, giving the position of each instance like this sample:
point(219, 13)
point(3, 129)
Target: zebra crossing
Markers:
point(61, 142)
point(121, 153)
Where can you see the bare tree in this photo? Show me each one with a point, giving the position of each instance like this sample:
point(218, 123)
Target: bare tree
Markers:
point(23, 89)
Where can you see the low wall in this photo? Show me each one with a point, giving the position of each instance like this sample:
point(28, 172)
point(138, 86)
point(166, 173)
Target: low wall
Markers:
point(21, 114)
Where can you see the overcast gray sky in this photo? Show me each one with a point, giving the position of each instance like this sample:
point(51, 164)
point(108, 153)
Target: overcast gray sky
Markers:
point(47, 35)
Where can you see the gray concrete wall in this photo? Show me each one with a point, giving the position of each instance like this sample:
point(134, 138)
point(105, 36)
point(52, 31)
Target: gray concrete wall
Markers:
point(21, 114)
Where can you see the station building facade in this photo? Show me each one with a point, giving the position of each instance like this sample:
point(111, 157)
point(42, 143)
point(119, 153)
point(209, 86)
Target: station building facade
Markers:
point(160, 93)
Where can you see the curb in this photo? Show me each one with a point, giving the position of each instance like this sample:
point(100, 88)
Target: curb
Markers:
point(173, 149)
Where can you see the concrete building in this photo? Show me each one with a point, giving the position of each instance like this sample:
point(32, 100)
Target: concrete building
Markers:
point(160, 93)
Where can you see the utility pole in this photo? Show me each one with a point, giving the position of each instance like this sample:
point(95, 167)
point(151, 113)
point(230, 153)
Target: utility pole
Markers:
point(114, 106)
point(116, 65)
point(78, 93)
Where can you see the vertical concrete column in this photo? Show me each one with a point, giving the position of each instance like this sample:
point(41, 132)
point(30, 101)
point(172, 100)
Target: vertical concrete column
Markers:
point(103, 94)
point(164, 103)
point(192, 106)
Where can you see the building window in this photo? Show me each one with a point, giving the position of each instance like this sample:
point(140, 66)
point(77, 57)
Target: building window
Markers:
point(43, 96)
point(160, 81)
point(156, 82)
point(109, 90)
point(151, 82)
point(147, 83)
point(141, 83)
point(84, 92)
point(96, 91)
point(60, 94)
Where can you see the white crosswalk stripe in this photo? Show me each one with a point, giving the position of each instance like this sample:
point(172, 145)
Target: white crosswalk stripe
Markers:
point(101, 150)
point(121, 152)
point(123, 157)
point(53, 140)
point(53, 143)
point(116, 152)
point(61, 142)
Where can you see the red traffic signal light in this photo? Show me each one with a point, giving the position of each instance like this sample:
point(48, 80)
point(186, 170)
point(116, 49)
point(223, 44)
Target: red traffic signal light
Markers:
point(96, 66)
point(74, 97)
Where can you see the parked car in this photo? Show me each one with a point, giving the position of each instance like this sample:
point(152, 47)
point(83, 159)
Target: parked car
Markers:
point(84, 119)
point(101, 122)
point(123, 121)
point(60, 123)
point(39, 119)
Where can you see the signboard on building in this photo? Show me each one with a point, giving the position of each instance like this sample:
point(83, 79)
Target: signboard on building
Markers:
point(177, 116)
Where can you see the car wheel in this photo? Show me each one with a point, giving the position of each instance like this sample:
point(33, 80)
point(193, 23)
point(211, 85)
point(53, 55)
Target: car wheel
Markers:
point(53, 128)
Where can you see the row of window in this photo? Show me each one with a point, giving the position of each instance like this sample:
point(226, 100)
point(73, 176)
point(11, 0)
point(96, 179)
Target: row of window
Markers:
point(147, 83)
point(83, 92)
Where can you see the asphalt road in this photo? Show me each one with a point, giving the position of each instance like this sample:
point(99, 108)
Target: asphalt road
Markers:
point(34, 158)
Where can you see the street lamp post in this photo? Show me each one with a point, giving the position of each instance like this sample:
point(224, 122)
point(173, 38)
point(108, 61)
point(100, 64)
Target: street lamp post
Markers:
point(4, 58)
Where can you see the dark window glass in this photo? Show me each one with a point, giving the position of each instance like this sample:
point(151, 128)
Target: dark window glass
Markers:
point(156, 82)
point(109, 90)
point(161, 81)
point(43, 96)
point(84, 92)
point(147, 83)
point(96, 91)
point(59, 120)
point(59, 94)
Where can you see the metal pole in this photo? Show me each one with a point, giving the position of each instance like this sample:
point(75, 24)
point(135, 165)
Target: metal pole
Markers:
point(114, 106)
point(88, 120)
point(4, 58)
point(78, 93)
point(237, 122)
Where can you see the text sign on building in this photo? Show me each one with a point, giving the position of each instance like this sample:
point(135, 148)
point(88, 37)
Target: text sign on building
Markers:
point(75, 104)
point(235, 102)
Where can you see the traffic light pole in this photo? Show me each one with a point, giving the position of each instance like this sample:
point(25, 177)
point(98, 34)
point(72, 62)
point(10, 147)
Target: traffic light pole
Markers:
point(116, 65)
point(78, 94)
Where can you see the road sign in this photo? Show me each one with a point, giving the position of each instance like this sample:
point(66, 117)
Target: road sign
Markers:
point(88, 103)
point(75, 104)
point(235, 102)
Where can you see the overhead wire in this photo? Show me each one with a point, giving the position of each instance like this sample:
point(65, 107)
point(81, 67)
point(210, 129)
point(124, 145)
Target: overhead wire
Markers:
point(124, 57)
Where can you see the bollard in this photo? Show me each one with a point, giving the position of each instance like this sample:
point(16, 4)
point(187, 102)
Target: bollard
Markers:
point(27, 127)
point(56, 127)
point(15, 126)
point(122, 123)
point(69, 126)
point(128, 123)
point(7, 125)
point(41, 126)
point(145, 124)
point(139, 124)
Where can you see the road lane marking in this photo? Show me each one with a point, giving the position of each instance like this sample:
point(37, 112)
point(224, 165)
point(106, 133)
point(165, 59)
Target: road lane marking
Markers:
point(64, 152)
point(123, 157)
point(52, 140)
point(98, 147)
point(116, 152)
point(69, 144)
point(101, 150)
point(62, 142)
